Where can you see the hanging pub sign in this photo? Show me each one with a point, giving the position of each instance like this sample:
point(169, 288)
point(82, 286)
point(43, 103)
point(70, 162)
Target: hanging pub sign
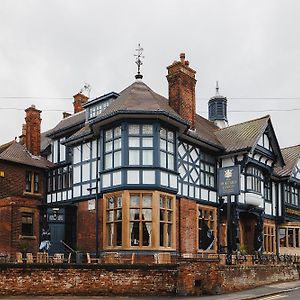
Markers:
point(229, 181)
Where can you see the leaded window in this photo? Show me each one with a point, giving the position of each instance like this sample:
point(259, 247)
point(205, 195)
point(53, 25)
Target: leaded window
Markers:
point(291, 194)
point(208, 170)
point(289, 237)
point(268, 190)
point(112, 148)
point(269, 238)
point(167, 146)
point(139, 220)
point(140, 143)
point(32, 182)
point(140, 226)
point(27, 224)
point(254, 179)
point(207, 228)
point(114, 220)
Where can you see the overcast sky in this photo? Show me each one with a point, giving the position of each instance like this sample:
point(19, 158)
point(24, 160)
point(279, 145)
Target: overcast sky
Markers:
point(49, 49)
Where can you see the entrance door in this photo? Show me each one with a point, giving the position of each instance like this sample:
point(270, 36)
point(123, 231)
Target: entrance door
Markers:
point(57, 235)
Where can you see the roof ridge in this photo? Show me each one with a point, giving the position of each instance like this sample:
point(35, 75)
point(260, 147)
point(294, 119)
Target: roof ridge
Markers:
point(294, 146)
point(245, 122)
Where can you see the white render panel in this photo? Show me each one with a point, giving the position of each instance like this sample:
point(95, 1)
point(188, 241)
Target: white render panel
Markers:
point(94, 149)
point(106, 180)
point(64, 195)
point(94, 170)
point(117, 178)
point(268, 208)
point(58, 197)
point(76, 174)
point(86, 150)
point(204, 194)
point(242, 198)
point(54, 197)
point(254, 199)
point(76, 155)
point(62, 152)
point(49, 198)
point(279, 200)
point(274, 198)
point(242, 181)
point(55, 150)
point(227, 162)
point(70, 194)
point(86, 172)
point(173, 181)
point(76, 191)
point(212, 196)
point(85, 190)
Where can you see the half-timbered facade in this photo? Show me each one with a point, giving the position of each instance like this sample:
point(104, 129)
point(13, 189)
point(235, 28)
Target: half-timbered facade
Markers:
point(135, 172)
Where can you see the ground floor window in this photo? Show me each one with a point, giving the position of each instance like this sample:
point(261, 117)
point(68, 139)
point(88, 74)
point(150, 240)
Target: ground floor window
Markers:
point(27, 224)
point(289, 237)
point(207, 222)
point(269, 238)
point(139, 220)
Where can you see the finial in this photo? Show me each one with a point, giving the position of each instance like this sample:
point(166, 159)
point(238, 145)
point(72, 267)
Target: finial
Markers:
point(138, 61)
point(217, 88)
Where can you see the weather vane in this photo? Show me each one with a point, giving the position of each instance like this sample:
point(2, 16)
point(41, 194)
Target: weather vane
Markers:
point(217, 88)
point(138, 61)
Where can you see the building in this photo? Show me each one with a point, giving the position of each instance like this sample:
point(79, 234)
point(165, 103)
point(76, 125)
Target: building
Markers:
point(22, 188)
point(135, 175)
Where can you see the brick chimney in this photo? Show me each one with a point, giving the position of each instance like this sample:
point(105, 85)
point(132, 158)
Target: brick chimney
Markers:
point(182, 84)
point(22, 137)
point(33, 130)
point(79, 101)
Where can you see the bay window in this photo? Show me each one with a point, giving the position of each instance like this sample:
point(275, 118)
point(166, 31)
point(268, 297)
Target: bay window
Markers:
point(207, 169)
point(167, 145)
point(139, 220)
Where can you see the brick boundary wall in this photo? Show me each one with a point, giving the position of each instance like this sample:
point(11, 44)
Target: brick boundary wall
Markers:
point(188, 277)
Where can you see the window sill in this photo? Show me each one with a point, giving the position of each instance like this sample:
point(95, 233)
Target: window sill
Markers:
point(27, 237)
point(36, 195)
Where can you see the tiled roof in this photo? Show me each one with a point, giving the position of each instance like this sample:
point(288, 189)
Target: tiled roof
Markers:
point(205, 131)
point(19, 154)
point(243, 135)
point(139, 98)
point(68, 122)
point(291, 156)
point(84, 131)
point(5, 146)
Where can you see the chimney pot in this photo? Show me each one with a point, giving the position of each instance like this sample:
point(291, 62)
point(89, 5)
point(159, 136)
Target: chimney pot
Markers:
point(182, 57)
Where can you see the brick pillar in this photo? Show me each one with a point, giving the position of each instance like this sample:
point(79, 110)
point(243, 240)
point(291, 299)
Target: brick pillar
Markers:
point(182, 84)
point(79, 101)
point(33, 130)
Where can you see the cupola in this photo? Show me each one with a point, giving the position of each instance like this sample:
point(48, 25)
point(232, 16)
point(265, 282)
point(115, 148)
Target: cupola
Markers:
point(217, 109)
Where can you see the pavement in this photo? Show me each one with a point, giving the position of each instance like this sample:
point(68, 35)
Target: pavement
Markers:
point(263, 292)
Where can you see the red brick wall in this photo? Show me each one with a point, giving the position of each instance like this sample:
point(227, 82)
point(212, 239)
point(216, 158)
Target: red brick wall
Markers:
point(89, 280)
point(79, 101)
point(187, 225)
point(86, 227)
point(11, 239)
point(13, 183)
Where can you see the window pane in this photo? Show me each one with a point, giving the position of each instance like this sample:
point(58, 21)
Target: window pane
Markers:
point(108, 146)
point(117, 144)
point(147, 157)
point(108, 161)
point(147, 142)
point(117, 159)
point(147, 129)
point(163, 145)
point(146, 201)
point(163, 159)
point(134, 157)
point(146, 233)
point(147, 214)
point(134, 201)
point(117, 132)
point(134, 141)
point(134, 129)
point(108, 134)
point(163, 133)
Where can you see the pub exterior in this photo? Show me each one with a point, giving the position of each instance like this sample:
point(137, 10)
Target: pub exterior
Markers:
point(136, 175)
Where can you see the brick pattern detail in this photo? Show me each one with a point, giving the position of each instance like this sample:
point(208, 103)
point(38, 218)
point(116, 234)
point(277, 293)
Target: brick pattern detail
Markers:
point(182, 84)
point(33, 130)
point(79, 101)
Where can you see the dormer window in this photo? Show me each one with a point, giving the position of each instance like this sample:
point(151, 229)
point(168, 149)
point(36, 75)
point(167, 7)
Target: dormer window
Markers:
point(97, 109)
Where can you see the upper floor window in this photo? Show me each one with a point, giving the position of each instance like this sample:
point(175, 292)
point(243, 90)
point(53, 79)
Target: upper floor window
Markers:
point(112, 148)
point(27, 224)
point(59, 179)
point(208, 170)
point(32, 184)
point(60, 152)
point(167, 145)
point(268, 190)
point(254, 179)
point(291, 195)
point(140, 143)
point(265, 142)
point(97, 109)
point(207, 222)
